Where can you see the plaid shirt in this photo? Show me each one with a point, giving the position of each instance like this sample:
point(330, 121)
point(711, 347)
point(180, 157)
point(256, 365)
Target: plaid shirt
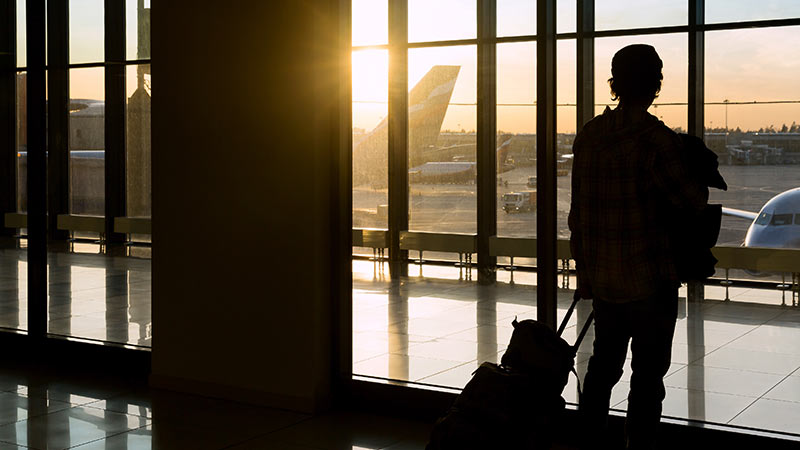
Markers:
point(625, 179)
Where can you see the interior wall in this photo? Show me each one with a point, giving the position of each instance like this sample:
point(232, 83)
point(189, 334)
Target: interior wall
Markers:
point(244, 145)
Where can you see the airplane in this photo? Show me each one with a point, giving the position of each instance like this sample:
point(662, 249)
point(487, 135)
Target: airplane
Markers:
point(428, 101)
point(777, 225)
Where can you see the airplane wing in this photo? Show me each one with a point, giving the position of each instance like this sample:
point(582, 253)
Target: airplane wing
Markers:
point(739, 213)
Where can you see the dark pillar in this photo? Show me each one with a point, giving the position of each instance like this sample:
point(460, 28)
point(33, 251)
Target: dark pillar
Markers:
point(115, 123)
point(487, 139)
point(398, 134)
point(37, 170)
point(58, 180)
point(342, 201)
point(696, 100)
point(585, 69)
point(8, 128)
point(546, 263)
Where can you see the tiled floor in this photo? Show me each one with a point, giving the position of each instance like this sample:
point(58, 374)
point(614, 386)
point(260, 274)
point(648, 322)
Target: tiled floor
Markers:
point(91, 295)
point(42, 412)
point(735, 363)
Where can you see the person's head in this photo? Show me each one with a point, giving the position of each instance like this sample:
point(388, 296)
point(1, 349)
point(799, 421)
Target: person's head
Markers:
point(636, 75)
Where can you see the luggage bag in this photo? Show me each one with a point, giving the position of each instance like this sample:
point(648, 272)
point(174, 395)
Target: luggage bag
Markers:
point(518, 403)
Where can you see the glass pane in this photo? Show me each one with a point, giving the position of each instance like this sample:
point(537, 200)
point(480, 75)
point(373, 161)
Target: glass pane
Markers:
point(138, 149)
point(566, 16)
point(752, 114)
point(22, 142)
point(87, 141)
point(95, 291)
point(441, 139)
point(442, 20)
point(13, 255)
point(565, 125)
point(370, 22)
point(622, 14)
point(516, 17)
point(86, 31)
point(370, 138)
point(22, 48)
point(516, 139)
point(670, 106)
point(743, 10)
point(137, 22)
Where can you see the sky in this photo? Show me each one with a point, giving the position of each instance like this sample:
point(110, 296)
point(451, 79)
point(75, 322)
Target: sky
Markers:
point(741, 66)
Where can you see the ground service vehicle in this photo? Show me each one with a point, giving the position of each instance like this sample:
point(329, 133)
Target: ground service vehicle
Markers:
point(519, 201)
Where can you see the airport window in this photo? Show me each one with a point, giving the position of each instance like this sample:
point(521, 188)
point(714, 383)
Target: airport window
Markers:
point(425, 22)
point(137, 24)
point(86, 31)
point(370, 138)
point(566, 16)
point(441, 324)
point(516, 18)
point(21, 47)
point(516, 139)
point(21, 141)
point(442, 121)
point(103, 112)
point(87, 141)
point(138, 146)
point(625, 14)
point(720, 11)
point(370, 22)
point(751, 115)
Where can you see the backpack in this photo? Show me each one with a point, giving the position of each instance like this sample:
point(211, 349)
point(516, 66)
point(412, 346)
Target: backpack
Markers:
point(516, 404)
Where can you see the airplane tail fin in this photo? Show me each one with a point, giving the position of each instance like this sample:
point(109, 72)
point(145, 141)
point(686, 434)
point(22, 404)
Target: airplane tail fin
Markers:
point(427, 106)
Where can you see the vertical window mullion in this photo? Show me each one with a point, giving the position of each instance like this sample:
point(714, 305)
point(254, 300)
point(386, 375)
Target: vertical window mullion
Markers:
point(8, 76)
point(58, 180)
point(115, 121)
point(487, 138)
point(398, 133)
point(585, 69)
point(546, 162)
point(696, 67)
point(37, 168)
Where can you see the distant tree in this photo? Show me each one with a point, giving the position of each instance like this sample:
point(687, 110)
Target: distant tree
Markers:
point(784, 129)
point(794, 128)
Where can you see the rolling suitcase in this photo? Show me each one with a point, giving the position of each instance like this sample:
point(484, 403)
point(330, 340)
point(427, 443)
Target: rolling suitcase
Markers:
point(518, 403)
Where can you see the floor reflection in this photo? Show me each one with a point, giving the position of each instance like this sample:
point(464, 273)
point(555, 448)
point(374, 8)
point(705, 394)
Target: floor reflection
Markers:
point(732, 361)
point(91, 296)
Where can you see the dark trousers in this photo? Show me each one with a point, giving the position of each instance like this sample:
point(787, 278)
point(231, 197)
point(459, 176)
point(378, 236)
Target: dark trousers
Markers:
point(649, 325)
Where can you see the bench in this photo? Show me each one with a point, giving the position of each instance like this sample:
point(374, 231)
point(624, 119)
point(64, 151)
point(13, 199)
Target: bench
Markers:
point(75, 222)
point(133, 225)
point(376, 239)
point(463, 244)
point(526, 248)
point(781, 260)
point(16, 220)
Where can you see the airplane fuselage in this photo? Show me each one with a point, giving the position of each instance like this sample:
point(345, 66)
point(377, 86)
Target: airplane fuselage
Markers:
point(778, 223)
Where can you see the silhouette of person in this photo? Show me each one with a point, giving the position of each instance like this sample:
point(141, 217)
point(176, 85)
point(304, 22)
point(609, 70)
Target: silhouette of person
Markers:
point(627, 173)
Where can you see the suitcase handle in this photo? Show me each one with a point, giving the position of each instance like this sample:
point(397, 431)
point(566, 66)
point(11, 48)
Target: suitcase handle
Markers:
point(575, 299)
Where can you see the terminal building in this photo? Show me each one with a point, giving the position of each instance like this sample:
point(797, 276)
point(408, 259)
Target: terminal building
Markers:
point(292, 238)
